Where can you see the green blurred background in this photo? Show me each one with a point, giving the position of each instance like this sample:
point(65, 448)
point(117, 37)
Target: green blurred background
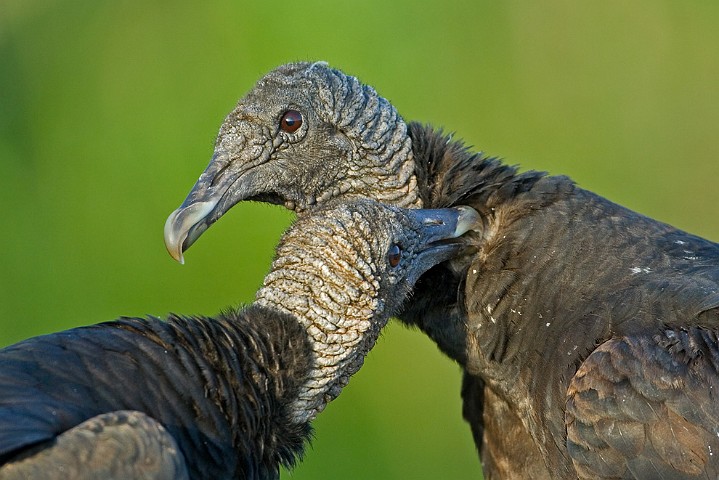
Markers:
point(108, 112)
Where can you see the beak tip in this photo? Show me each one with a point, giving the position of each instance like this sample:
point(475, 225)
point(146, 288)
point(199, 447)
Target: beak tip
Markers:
point(177, 256)
point(184, 225)
point(467, 220)
point(173, 241)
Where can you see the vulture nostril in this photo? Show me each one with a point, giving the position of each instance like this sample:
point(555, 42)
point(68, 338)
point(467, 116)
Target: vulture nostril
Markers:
point(220, 173)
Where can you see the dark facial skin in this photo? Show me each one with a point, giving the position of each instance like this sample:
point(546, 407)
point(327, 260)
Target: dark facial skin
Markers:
point(293, 141)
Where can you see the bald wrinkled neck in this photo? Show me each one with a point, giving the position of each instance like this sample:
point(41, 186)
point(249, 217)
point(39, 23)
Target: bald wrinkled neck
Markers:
point(339, 309)
point(382, 165)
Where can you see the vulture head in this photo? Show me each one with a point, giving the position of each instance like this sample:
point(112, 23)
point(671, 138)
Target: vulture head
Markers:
point(344, 270)
point(304, 134)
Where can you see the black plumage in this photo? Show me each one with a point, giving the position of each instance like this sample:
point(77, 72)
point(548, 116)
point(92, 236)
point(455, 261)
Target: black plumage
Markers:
point(224, 397)
point(246, 372)
point(587, 332)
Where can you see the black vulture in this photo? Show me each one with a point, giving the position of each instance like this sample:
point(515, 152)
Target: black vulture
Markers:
point(224, 397)
point(587, 332)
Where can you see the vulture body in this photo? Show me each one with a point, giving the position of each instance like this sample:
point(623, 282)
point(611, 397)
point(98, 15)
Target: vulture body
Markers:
point(587, 332)
point(225, 397)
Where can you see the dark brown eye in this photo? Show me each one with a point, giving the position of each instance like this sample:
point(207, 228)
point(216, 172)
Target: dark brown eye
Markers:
point(394, 255)
point(291, 121)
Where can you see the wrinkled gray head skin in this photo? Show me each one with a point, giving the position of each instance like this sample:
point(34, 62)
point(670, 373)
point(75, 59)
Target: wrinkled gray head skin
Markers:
point(349, 141)
point(344, 270)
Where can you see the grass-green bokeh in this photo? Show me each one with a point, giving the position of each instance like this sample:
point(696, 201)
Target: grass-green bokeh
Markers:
point(108, 111)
